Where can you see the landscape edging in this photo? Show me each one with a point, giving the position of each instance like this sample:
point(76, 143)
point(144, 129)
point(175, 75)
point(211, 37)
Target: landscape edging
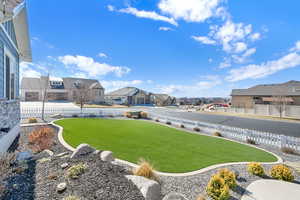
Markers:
point(279, 159)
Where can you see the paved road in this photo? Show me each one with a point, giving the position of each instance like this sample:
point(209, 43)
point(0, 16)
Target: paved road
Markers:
point(278, 127)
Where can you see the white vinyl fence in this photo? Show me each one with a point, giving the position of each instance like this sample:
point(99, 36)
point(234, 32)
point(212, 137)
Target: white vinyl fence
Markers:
point(236, 133)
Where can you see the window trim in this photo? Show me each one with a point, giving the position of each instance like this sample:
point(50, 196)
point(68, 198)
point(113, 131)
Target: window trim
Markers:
point(13, 70)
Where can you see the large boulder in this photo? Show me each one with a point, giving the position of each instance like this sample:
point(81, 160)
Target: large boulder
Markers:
point(82, 150)
point(44, 154)
point(150, 189)
point(174, 196)
point(107, 156)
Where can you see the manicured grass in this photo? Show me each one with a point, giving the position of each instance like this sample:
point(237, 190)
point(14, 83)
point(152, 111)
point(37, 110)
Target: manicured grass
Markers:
point(169, 149)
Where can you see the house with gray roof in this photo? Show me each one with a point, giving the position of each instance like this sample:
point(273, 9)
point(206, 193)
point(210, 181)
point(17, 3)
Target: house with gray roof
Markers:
point(128, 96)
point(14, 48)
point(33, 89)
point(163, 100)
point(266, 94)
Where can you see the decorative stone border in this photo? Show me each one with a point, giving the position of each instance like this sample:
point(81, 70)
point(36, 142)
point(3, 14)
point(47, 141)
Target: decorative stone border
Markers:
point(203, 170)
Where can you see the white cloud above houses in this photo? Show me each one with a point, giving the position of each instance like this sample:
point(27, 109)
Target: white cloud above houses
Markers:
point(192, 10)
point(27, 70)
point(204, 40)
point(117, 84)
point(92, 67)
point(163, 28)
point(265, 69)
point(102, 55)
point(148, 15)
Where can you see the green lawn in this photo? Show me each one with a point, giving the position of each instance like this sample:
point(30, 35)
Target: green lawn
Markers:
point(168, 149)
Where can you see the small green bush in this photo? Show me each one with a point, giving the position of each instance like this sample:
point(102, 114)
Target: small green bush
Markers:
point(75, 115)
point(228, 176)
point(256, 169)
point(250, 141)
point(169, 123)
point(144, 115)
point(182, 126)
point(282, 172)
point(32, 120)
point(217, 189)
point(75, 171)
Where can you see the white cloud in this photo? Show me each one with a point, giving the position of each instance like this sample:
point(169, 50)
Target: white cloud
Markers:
point(240, 47)
point(110, 8)
point(26, 70)
point(102, 55)
point(165, 28)
point(91, 67)
point(204, 40)
point(114, 85)
point(200, 88)
point(192, 10)
point(225, 64)
point(296, 48)
point(80, 75)
point(243, 58)
point(210, 60)
point(265, 69)
point(148, 14)
point(255, 36)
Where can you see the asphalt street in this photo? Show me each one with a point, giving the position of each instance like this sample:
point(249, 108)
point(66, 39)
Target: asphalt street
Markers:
point(271, 126)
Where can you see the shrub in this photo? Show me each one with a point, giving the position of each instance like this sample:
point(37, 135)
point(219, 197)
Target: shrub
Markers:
point(144, 115)
point(196, 129)
point(145, 169)
point(169, 123)
point(92, 115)
point(250, 141)
point(127, 114)
point(229, 177)
point(182, 126)
point(2, 190)
point(282, 172)
point(218, 134)
point(217, 189)
point(157, 120)
point(76, 170)
point(75, 115)
point(32, 120)
point(6, 161)
point(288, 150)
point(41, 139)
point(71, 198)
point(256, 169)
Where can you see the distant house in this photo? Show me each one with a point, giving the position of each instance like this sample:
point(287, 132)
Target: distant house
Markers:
point(128, 96)
point(14, 48)
point(32, 89)
point(266, 94)
point(163, 100)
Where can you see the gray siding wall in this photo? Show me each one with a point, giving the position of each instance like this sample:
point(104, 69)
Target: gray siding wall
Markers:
point(4, 41)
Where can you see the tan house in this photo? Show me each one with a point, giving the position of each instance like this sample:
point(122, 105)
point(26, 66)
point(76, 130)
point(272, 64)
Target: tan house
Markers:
point(289, 92)
point(32, 89)
point(163, 100)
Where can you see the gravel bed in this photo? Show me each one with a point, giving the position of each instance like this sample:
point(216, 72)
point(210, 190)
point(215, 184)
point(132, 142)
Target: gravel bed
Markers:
point(39, 180)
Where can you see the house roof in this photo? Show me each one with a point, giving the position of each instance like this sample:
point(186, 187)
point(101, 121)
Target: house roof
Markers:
point(36, 83)
point(162, 97)
point(290, 88)
point(20, 23)
point(127, 91)
point(7, 11)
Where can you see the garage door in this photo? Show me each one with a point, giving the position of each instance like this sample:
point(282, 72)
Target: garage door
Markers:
point(31, 96)
point(57, 96)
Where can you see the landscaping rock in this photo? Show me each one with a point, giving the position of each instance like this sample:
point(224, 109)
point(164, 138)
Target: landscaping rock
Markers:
point(44, 154)
point(107, 156)
point(22, 156)
point(61, 187)
point(82, 150)
point(62, 154)
point(174, 196)
point(64, 165)
point(150, 189)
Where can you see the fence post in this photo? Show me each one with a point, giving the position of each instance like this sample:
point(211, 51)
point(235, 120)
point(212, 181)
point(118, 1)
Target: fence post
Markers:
point(283, 141)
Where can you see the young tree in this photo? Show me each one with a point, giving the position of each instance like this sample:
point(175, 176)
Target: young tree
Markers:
point(44, 86)
point(279, 102)
point(81, 94)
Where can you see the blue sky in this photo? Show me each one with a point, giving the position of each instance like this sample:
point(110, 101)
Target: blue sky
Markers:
point(196, 48)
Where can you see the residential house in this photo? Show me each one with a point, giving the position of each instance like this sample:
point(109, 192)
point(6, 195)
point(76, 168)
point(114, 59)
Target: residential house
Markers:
point(128, 96)
point(162, 100)
point(266, 94)
point(33, 89)
point(14, 48)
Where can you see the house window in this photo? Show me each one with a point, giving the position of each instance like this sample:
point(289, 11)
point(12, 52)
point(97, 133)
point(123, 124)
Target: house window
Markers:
point(10, 77)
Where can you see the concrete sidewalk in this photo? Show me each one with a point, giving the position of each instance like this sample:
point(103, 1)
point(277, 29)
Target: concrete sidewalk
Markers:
point(272, 190)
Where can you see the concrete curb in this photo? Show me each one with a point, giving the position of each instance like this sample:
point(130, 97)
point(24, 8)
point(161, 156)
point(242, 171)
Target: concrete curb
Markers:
point(203, 170)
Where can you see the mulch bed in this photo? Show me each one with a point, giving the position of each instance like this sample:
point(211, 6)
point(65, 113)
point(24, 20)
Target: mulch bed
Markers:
point(35, 180)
